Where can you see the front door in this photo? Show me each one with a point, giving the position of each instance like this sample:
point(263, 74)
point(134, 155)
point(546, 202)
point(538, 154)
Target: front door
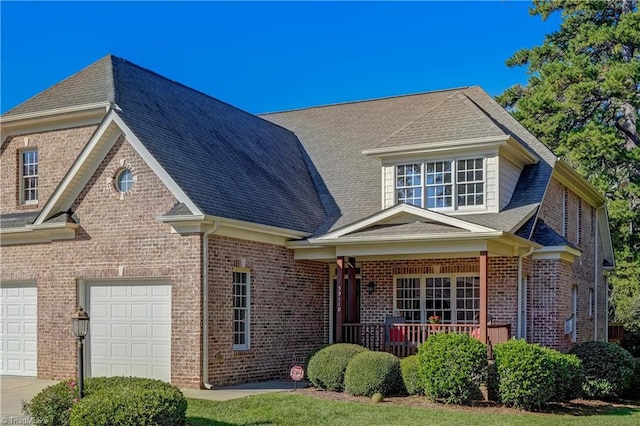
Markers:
point(351, 316)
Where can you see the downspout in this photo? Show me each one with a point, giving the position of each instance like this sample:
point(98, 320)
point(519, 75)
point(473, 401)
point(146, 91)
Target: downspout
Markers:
point(205, 304)
point(522, 328)
point(595, 283)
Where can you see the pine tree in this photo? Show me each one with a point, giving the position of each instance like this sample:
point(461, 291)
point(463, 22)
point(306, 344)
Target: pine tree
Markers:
point(582, 100)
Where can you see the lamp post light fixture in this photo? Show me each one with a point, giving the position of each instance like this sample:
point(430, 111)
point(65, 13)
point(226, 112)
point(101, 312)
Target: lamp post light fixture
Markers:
point(80, 322)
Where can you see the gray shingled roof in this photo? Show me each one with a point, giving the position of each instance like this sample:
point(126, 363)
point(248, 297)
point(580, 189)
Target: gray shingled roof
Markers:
point(546, 236)
point(334, 136)
point(17, 220)
point(91, 85)
point(236, 165)
point(406, 229)
point(230, 163)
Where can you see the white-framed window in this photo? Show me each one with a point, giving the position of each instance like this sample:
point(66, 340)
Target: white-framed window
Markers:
point(574, 314)
point(409, 184)
point(578, 221)
point(443, 184)
point(241, 294)
point(454, 298)
point(29, 176)
point(124, 181)
point(591, 302)
point(565, 215)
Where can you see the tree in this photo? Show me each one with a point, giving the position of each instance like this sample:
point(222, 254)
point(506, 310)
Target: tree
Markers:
point(582, 100)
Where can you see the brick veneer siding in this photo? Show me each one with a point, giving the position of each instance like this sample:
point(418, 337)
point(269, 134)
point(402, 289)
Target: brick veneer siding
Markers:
point(117, 239)
point(57, 150)
point(581, 274)
point(502, 284)
point(289, 310)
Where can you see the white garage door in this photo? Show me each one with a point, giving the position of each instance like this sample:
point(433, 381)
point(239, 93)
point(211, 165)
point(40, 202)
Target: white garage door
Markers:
point(18, 335)
point(130, 329)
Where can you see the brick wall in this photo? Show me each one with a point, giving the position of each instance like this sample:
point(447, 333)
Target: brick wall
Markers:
point(115, 235)
point(289, 310)
point(581, 274)
point(502, 283)
point(57, 150)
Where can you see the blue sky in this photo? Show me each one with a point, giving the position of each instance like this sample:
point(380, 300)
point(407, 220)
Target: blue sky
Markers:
point(266, 57)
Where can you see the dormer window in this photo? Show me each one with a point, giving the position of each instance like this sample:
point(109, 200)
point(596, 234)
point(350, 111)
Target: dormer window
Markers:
point(29, 176)
point(447, 184)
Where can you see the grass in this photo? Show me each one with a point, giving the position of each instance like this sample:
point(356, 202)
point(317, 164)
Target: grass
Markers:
point(290, 409)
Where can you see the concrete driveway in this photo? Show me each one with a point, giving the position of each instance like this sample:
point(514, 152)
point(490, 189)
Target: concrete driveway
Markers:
point(13, 390)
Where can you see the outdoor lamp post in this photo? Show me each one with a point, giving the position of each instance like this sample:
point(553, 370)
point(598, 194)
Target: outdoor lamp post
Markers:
point(80, 322)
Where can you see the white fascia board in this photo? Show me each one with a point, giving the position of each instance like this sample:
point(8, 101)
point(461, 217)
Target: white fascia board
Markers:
point(520, 153)
point(68, 189)
point(407, 238)
point(574, 181)
point(556, 252)
point(231, 227)
point(32, 234)
point(412, 248)
point(602, 216)
point(74, 116)
point(404, 208)
point(437, 146)
point(166, 179)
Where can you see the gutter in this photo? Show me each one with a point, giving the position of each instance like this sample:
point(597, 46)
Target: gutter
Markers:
point(205, 304)
point(595, 280)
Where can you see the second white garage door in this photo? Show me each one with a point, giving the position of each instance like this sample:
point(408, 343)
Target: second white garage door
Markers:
point(130, 329)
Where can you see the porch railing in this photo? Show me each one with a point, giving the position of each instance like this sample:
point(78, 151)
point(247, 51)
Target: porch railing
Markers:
point(402, 340)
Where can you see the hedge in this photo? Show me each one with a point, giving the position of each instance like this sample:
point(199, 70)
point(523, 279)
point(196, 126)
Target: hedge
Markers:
point(451, 367)
point(369, 373)
point(128, 401)
point(568, 375)
point(608, 369)
point(327, 366)
point(410, 378)
point(524, 374)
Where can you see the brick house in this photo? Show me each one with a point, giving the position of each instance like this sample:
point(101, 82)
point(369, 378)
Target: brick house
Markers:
point(211, 246)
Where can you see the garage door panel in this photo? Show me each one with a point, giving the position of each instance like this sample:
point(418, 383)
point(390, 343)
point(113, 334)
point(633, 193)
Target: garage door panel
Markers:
point(133, 319)
point(18, 333)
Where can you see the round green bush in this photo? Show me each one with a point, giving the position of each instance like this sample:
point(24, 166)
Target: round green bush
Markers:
point(373, 372)
point(108, 401)
point(608, 369)
point(410, 378)
point(327, 366)
point(451, 367)
point(131, 402)
point(52, 405)
point(568, 375)
point(309, 356)
point(524, 374)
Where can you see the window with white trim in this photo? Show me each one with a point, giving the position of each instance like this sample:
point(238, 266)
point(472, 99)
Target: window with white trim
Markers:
point(445, 184)
point(241, 309)
point(454, 298)
point(29, 176)
point(591, 302)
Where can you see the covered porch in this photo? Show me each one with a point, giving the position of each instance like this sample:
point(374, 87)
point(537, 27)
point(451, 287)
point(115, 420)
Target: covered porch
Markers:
point(405, 274)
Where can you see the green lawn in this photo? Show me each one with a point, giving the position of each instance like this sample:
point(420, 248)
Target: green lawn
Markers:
point(291, 409)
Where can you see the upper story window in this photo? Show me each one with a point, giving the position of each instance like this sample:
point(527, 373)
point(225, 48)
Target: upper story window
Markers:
point(29, 176)
point(448, 184)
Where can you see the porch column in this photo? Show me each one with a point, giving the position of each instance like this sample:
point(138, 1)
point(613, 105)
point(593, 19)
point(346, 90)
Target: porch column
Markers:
point(351, 296)
point(484, 315)
point(339, 299)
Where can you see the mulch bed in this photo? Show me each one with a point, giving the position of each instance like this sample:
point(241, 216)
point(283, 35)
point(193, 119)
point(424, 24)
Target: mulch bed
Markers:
point(577, 407)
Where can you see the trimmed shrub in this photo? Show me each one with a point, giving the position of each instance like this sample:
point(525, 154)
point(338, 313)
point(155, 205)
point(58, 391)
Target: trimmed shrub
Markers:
point(130, 401)
point(568, 375)
point(524, 374)
point(109, 400)
point(410, 378)
point(633, 391)
point(327, 366)
point(52, 405)
point(451, 367)
point(608, 369)
point(373, 372)
point(309, 356)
